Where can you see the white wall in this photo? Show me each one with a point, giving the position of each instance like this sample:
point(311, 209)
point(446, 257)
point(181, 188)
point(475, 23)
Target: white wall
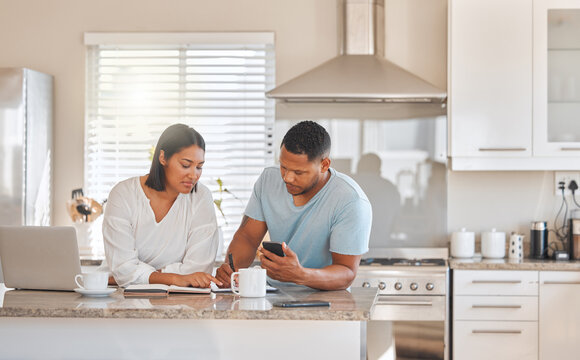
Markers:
point(416, 37)
point(48, 36)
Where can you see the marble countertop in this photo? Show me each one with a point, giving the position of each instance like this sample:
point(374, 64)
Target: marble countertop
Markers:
point(479, 263)
point(345, 306)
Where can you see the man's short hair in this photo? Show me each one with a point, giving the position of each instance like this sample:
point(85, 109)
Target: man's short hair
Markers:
point(308, 138)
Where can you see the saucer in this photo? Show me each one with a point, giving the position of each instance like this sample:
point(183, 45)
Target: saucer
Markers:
point(96, 293)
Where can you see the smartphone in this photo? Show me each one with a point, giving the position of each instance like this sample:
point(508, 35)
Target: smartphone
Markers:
point(301, 303)
point(273, 247)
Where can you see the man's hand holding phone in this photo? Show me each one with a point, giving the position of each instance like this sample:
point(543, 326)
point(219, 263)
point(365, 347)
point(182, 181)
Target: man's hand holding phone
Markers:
point(274, 248)
point(285, 268)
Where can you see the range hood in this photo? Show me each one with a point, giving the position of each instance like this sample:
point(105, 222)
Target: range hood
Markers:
point(361, 75)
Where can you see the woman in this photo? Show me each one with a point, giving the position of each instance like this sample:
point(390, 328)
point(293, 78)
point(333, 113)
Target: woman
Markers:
point(161, 228)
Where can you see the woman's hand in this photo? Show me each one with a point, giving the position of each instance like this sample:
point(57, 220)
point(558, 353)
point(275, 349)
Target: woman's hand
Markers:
point(223, 273)
point(198, 279)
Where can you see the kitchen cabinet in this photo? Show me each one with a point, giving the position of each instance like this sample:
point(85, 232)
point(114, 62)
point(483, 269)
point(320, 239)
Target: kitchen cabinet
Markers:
point(559, 317)
point(514, 84)
point(556, 78)
point(495, 314)
point(490, 100)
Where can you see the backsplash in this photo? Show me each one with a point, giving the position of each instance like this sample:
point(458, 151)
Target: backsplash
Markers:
point(505, 200)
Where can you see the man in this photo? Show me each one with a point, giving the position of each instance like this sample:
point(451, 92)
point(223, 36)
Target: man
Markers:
point(321, 216)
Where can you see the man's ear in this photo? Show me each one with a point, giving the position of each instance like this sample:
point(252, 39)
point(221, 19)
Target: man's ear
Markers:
point(162, 158)
point(324, 165)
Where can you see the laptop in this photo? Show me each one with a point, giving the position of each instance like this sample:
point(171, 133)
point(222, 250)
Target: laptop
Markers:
point(39, 257)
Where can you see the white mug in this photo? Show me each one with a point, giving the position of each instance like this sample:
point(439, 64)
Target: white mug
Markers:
point(462, 244)
point(97, 280)
point(516, 247)
point(493, 244)
point(252, 282)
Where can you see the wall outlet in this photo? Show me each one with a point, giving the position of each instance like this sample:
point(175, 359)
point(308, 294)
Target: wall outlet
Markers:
point(566, 177)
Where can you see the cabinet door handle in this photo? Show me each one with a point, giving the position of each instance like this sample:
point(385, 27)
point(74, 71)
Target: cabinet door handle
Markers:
point(496, 281)
point(496, 331)
point(570, 149)
point(496, 306)
point(502, 149)
point(561, 282)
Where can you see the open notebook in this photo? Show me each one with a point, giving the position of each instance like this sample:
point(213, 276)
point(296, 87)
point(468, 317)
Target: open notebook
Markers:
point(152, 290)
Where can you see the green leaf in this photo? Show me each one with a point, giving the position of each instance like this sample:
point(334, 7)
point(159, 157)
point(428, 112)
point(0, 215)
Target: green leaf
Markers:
point(218, 204)
point(220, 184)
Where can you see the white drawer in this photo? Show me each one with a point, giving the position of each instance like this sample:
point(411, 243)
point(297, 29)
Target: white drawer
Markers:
point(495, 282)
point(497, 340)
point(508, 308)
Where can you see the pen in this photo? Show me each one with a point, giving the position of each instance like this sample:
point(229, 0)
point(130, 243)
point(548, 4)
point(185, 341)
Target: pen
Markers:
point(231, 259)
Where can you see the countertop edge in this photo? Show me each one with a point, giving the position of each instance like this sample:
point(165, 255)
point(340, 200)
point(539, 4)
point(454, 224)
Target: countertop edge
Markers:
point(293, 314)
point(507, 264)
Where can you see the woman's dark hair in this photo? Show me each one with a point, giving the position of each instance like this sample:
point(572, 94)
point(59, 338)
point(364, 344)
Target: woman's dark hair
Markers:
point(173, 139)
point(307, 137)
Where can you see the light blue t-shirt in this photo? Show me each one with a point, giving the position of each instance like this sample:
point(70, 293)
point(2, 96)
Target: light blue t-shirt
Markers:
point(337, 219)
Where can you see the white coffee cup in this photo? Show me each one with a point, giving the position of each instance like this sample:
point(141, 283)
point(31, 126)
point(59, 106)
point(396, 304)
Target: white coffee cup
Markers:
point(493, 244)
point(462, 244)
point(252, 282)
point(516, 246)
point(97, 280)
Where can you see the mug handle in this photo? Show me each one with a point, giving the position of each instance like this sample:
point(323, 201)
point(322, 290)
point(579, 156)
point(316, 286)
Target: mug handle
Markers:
point(233, 307)
point(77, 280)
point(235, 289)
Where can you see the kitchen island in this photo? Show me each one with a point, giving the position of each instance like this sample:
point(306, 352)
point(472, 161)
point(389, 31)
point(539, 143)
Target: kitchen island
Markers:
point(46, 324)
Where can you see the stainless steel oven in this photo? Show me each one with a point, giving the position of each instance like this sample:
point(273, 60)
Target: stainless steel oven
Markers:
point(410, 316)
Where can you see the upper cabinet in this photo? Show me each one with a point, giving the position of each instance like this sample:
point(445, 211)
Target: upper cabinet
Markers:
point(557, 78)
point(490, 58)
point(504, 59)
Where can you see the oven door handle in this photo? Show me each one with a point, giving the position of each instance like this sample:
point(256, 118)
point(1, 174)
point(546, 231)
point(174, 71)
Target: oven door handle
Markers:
point(404, 303)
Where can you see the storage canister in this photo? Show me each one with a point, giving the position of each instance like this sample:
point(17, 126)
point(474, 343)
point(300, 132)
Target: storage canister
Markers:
point(493, 244)
point(462, 244)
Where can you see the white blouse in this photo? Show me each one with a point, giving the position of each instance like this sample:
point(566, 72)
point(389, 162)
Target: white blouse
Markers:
point(183, 242)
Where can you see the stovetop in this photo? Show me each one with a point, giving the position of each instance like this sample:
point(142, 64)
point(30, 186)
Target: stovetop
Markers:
point(404, 276)
point(403, 262)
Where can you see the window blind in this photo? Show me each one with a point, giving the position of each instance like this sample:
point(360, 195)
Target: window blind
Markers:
point(213, 82)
